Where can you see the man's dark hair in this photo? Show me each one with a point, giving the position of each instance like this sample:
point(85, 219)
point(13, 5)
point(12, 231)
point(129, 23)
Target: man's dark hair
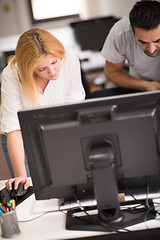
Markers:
point(145, 14)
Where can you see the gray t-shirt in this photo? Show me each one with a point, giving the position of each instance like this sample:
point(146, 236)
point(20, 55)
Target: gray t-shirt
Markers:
point(120, 45)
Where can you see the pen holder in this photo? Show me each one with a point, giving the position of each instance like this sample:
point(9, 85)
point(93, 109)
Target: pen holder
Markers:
point(9, 224)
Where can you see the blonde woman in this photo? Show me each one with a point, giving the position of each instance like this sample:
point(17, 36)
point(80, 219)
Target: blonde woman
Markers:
point(41, 73)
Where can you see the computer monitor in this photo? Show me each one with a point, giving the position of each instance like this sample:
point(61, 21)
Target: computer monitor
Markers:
point(90, 34)
point(96, 149)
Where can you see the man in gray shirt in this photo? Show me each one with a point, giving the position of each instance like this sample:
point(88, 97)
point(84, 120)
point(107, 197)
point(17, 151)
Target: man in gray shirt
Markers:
point(136, 40)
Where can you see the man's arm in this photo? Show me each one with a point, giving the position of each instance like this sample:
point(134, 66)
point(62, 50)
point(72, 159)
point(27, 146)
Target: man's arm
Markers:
point(118, 76)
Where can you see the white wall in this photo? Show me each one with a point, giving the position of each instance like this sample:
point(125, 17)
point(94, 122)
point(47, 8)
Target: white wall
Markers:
point(117, 8)
point(8, 20)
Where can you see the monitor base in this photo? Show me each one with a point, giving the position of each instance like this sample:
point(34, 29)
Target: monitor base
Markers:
point(92, 222)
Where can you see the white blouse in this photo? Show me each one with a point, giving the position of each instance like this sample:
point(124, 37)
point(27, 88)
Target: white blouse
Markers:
point(67, 88)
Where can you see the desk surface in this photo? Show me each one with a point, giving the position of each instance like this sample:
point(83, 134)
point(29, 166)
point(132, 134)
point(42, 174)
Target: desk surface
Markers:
point(52, 225)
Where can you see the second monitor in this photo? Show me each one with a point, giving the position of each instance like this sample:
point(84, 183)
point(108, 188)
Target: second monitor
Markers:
point(90, 34)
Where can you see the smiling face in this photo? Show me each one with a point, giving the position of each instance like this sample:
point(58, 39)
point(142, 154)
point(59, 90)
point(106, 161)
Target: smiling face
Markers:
point(48, 68)
point(148, 41)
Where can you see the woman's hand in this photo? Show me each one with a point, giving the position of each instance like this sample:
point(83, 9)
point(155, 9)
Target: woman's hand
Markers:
point(17, 180)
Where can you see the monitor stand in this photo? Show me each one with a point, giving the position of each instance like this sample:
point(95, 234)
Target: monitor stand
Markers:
point(78, 220)
point(110, 216)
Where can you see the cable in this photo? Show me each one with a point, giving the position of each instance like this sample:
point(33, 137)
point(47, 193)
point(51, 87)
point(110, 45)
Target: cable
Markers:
point(149, 208)
point(108, 226)
point(32, 219)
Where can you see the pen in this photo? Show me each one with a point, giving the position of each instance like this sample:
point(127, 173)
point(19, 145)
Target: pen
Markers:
point(4, 209)
point(1, 210)
point(13, 204)
point(9, 206)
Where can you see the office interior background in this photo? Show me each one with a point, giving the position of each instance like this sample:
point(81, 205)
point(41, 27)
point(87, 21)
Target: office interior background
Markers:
point(15, 18)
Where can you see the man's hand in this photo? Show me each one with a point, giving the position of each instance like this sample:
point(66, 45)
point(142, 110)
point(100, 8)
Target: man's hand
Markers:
point(152, 86)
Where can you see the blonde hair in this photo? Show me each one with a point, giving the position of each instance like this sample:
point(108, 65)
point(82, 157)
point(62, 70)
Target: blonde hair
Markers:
point(32, 46)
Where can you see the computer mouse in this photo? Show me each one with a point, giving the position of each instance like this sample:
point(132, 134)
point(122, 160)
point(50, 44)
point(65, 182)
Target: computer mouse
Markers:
point(19, 192)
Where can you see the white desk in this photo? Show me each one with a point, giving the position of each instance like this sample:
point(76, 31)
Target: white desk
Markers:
point(52, 225)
